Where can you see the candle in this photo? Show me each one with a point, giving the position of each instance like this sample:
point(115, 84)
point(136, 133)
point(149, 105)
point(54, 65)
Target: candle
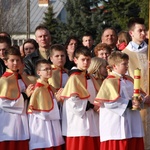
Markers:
point(137, 77)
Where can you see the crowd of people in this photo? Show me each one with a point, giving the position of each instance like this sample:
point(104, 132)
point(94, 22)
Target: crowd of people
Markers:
point(76, 96)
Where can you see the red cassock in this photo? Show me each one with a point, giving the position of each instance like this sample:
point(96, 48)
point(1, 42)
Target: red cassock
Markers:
point(126, 144)
point(83, 142)
point(12, 145)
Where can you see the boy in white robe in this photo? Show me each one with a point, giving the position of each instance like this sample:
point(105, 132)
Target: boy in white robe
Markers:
point(79, 116)
point(120, 127)
point(14, 133)
point(44, 117)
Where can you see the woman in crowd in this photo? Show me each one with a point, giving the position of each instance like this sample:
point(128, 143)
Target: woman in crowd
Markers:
point(70, 45)
point(29, 46)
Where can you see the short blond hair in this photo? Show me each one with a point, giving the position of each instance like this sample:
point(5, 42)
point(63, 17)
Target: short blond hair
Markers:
point(96, 63)
point(116, 58)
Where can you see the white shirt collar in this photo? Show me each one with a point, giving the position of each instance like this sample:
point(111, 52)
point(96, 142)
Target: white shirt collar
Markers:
point(134, 47)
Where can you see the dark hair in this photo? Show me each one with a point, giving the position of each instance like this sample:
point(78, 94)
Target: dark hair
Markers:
point(134, 21)
point(71, 38)
point(13, 50)
point(17, 46)
point(41, 61)
point(5, 34)
point(57, 47)
point(5, 39)
point(87, 34)
point(32, 41)
point(41, 27)
point(110, 28)
point(82, 50)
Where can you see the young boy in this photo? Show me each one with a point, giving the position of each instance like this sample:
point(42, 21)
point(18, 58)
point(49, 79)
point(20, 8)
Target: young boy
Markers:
point(14, 134)
point(79, 119)
point(120, 127)
point(59, 73)
point(44, 118)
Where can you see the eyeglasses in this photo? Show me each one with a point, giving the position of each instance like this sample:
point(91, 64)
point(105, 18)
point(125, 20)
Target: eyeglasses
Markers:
point(46, 69)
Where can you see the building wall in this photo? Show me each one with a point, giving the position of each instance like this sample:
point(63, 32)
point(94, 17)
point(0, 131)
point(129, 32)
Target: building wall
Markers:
point(14, 17)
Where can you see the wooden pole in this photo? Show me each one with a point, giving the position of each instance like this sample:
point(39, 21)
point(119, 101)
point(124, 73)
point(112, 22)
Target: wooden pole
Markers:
point(28, 19)
point(149, 53)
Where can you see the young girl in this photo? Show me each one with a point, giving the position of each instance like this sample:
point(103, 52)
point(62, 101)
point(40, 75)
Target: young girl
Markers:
point(70, 46)
point(29, 46)
point(123, 40)
point(98, 69)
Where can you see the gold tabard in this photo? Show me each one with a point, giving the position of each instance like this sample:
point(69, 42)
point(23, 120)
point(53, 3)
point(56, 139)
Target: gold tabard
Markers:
point(110, 88)
point(77, 85)
point(9, 87)
point(42, 98)
point(56, 79)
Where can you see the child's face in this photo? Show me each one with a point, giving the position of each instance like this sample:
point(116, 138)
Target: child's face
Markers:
point(103, 71)
point(103, 54)
point(58, 58)
point(13, 63)
point(45, 71)
point(87, 41)
point(82, 62)
point(122, 67)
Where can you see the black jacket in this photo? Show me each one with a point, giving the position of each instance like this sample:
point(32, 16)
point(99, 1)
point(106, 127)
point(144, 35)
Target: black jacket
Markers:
point(2, 67)
point(69, 64)
point(30, 63)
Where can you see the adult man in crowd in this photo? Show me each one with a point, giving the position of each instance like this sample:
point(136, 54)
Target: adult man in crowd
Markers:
point(43, 38)
point(109, 36)
point(137, 50)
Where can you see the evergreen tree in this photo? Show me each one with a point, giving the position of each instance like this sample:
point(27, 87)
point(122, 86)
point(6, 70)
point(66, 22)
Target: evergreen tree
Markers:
point(144, 10)
point(82, 19)
point(78, 17)
point(51, 23)
point(121, 11)
point(100, 20)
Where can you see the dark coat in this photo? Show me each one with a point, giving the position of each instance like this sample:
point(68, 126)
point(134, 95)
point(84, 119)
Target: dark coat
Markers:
point(2, 67)
point(30, 63)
